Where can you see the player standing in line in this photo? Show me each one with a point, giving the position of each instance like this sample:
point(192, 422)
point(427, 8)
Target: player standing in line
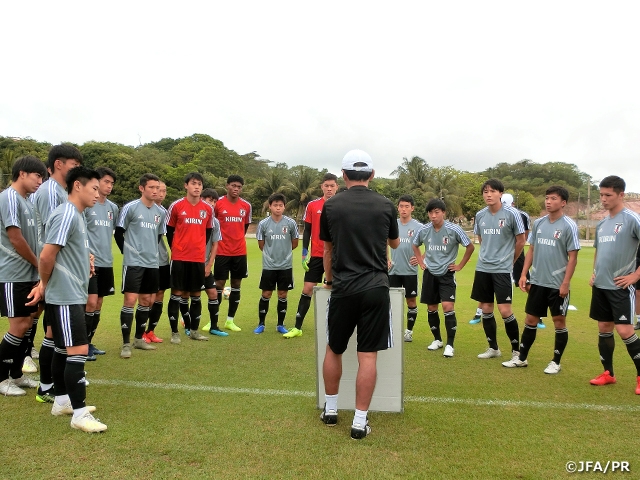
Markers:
point(501, 233)
point(314, 268)
point(52, 193)
point(18, 270)
point(614, 276)
point(138, 232)
point(64, 281)
point(277, 237)
point(441, 239)
point(210, 196)
point(356, 227)
point(637, 285)
point(553, 255)
point(189, 225)
point(234, 215)
point(101, 221)
point(403, 264)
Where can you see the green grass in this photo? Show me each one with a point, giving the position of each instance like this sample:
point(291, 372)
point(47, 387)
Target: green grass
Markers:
point(449, 429)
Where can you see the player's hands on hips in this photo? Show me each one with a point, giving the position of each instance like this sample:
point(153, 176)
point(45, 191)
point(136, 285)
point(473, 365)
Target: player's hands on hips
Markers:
point(454, 268)
point(626, 280)
point(413, 261)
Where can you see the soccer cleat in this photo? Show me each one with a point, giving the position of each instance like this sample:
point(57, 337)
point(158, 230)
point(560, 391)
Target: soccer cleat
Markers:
point(541, 324)
point(475, 320)
point(448, 351)
point(635, 327)
point(207, 327)
point(490, 353)
point(196, 335)
point(34, 353)
point(145, 338)
point(229, 325)
point(9, 389)
point(552, 368)
point(87, 423)
point(25, 382)
point(182, 322)
point(67, 409)
point(29, 366)
point(408, 335)
point(259, 329)
point(435, 345)
point(153, 338)
point(281, 329)
point(329, 417)
point(515, 362)
point(86, 382)
point(358, 432)
point(219, 333)
point(91, 358)
point(175, 338)
point(126, 351)
point(604, 378)
point(142, 345)
point(93, 350)
point(294, 332)
point(45, 396)
point(638, 387)
point(187, 332)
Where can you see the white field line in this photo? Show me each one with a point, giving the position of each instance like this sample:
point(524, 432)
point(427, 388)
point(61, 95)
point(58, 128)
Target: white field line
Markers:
point(474, 402)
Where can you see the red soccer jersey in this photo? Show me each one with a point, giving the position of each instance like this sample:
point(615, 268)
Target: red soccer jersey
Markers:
point(312, 218)
point(232, 217)
point(190, 223)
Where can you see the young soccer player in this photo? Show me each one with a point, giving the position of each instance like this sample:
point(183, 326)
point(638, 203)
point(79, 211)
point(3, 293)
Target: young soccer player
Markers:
point(277, 237)
point(441, 239)
point(553, 255)
point(403, 264)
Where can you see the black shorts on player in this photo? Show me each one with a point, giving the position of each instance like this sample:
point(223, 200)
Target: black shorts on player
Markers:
point(187, 276)
point(280, 280)
point(517, 269)
point(408, 282)
point(437, 289)
point(13, 298)
point(487, 285)
point(616, 306)
point(101, 282)
point(68, 325)
point(209, 282)
point(164, 281)
point(230, 267)
point(637, 285)
point(370, 311)
point(316, 270)
point(140, 280)
point(542, 298)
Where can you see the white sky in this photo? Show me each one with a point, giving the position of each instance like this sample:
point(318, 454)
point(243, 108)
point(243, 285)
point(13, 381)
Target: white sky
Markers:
point(467, 84)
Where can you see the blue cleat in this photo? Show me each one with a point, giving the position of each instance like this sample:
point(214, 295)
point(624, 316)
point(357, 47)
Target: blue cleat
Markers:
point(475, 320)
point(219, 333)
point(259, 329)
point(281, 329)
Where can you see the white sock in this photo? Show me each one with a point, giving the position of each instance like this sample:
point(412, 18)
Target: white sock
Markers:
point(62, 399)
point(78, 412)
point(46, 386)
point(229, 319)
point(360, 418)
point(478, 312)
point(332, 402)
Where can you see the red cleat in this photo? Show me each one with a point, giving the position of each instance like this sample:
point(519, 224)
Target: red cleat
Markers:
point(605, 379)
point(145, 338)
point(152, 338)
point(638, 387)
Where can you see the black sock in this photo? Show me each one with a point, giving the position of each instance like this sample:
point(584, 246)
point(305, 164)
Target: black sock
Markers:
point(263, 309)
point(511, 327)
point(184, 311)
point(282, 310)
point(45, 360)
point(195, 312)
point(412, 315)
point(451, 325)
point(303, 308)
point(20, 354)
point(606, 345)
point(154, 316)
point(490, 329)
point(434, 323)
point(88, 322)
point(96, 321)
point(126, 319)
point(633, 347)
point(528, 337)
point(142, 315)
point(74, 380)
point(32, 334)
point(173, 310)
point(562, 337)
point(58, 365)
point(234, 301)
point(9, 348)
point(214, 307)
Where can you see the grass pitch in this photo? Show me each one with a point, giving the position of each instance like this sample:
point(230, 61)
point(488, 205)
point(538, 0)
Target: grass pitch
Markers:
point(243, 406)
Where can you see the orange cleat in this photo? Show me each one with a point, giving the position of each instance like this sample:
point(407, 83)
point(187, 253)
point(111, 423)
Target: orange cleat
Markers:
point(152, 338)
point(603, 379)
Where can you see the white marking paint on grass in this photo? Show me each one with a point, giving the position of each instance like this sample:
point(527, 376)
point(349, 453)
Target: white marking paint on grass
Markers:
point(475, 402)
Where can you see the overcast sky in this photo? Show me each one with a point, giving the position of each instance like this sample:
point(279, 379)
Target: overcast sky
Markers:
point(467, 84)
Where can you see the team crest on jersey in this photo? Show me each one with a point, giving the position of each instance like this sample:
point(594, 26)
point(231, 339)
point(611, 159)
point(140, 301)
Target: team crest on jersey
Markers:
point(445, 240)
point(243, 212)
point(410, 233)
point(501, 222)
point(617, 228)
point(203, 214)
point(284, 230)
point(156, 218)
point(110, 215)
point(557, 234)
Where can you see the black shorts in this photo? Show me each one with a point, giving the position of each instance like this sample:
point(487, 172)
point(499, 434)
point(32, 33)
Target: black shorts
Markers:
point(102, 283)
point(517, 269)
point(316, 270)
point(164, 280)
point(68, 325)
point(13, 298)
point(541, 298)
point(436, 289)
point(637, 265)
point(140, 280)
point(486, 285)
point(209, 282)
point(234, 267)
point(370, 311)
point(282, 278)
point(616, 306)
point(187, 276)
point(408, 282)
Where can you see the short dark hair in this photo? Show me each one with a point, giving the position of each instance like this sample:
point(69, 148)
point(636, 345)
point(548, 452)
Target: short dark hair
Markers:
point(614, 182)
point(82, 174)
point(494, 184)
point(148, 177)
point(327, 177)
point(357, 175)
point(277, 197)
point(106, 171)
point(406, 198)
point(193, 175)
point(65, 152)
point(436, 203)
point(28, 164)
point(558, 190)
point(209, 193)
point(235, 178)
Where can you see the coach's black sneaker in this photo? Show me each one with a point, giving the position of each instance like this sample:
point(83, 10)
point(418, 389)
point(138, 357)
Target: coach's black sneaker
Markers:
point(93, 350)
point(329, 417)
point(358, 432)
point(91, 358)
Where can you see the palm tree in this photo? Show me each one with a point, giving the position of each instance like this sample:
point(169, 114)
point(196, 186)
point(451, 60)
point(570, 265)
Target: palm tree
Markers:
point(276, 181)
point(6, 165)
point(412, 174)
point(304, 187)
point(443, 184)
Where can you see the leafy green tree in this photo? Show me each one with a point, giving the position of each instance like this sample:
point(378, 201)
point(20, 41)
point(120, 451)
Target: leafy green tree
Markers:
point(443, 184)
point(471, 199)
point(276, 181)
point(413, 174)
point(305, 186)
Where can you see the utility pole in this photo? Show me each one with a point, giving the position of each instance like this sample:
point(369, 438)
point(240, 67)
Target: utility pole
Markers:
point(588, 209)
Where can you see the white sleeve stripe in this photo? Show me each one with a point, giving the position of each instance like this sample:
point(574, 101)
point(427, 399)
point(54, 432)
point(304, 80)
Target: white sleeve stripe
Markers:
point(67, 220)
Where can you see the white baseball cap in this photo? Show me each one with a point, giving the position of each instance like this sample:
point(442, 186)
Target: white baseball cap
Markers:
point(357, 156)
point(507, 199)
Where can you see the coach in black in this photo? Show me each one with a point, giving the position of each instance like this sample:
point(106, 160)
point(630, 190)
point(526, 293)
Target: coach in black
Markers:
point(356, 227)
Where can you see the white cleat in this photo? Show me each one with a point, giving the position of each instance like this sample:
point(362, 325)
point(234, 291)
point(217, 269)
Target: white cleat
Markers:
point(87, 423)
point(408, 335)
point(67, 409)
point(29, 366)
point(515, 362)
point(9, 389)
point(448, 351)
point(435, 345)
point(490, 353)
point(553, 368)
point(25, 382)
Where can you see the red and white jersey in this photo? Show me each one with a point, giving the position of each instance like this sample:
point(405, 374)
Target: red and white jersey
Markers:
point(232, 217)
point(190, 223)
point(312, 218)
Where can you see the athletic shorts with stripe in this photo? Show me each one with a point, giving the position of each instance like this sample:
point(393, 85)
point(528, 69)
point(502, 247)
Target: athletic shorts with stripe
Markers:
point(436, 289)
point(616, 306)
point(542, 298)
point(187, 276)
point(140, 280)
point(486, 285)
point(68, 325)
point(101, 282)
point(408, 282)
point(281, 280)
point(13, 298)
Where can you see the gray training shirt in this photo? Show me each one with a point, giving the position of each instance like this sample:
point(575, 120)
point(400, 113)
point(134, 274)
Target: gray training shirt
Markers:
point(498, 233)
point(400, 256)
point(441, 247)
point(551, 242)
point(101, 221)
point(47, 198)
point(277, 253)
point(216, 236)
point(17, 211)
point(163, 251)
point(142, 226)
